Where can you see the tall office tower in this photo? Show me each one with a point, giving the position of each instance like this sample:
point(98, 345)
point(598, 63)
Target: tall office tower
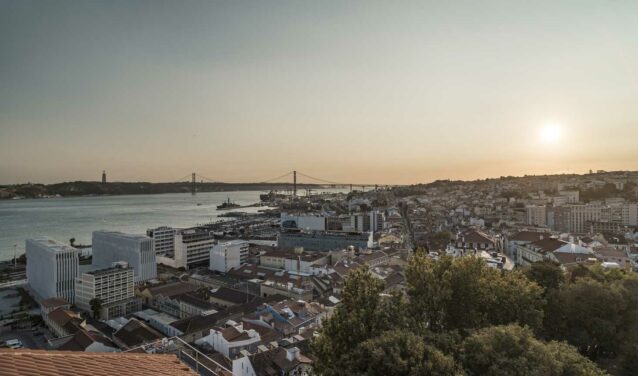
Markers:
point(136, 250)
point(52, 268)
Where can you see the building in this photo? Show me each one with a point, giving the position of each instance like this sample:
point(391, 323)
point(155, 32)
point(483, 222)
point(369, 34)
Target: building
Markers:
point(575, 218)
point(192, 248)
point(230, 341)
point(136, 250)
point(536, 215)
point(52, 268)
point(578, 218)
point(324, 240)
point(114, 287)
point(163, 240)
point(228, 255)
point(572, 197)
point(306, 221)
point(103, 177)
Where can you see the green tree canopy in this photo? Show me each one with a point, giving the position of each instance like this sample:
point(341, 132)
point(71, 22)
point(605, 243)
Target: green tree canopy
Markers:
point(513, 351)
point(465, 293)
point(400, 353)
point(547, 274)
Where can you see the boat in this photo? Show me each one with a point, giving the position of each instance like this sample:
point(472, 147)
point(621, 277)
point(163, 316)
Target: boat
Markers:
point(227, 205)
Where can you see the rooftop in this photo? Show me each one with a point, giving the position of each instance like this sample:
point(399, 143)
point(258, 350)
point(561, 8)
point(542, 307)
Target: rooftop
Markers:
point(52, 244)
point(72, 363)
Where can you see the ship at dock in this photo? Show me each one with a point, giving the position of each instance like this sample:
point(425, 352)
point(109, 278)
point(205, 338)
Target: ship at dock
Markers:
point(227, 205)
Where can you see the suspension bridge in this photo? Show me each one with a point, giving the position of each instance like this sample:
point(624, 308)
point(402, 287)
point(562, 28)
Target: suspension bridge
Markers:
point(293, 181)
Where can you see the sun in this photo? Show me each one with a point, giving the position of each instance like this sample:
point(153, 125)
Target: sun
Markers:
point(551, 133)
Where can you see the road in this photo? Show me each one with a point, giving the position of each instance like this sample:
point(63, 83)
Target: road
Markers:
point(27, 338)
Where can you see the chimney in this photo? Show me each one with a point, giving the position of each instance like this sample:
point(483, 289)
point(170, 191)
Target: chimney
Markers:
point(292, 353)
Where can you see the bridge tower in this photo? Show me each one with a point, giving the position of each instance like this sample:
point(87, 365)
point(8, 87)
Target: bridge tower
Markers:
point(294, 183)
point(193, 184)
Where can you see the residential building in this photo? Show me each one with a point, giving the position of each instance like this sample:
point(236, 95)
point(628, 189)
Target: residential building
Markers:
point(231, 340)
point(52, 268)
point(572, 196)
point(114, 287)
point(536, 215)
point(136, 250)
point(228, 255)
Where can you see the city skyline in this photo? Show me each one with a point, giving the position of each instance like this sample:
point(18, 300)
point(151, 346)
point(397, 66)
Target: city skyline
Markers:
point(360, 92)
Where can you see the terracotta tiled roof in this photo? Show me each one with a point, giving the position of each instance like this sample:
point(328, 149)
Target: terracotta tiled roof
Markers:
point(530, 236)
point(136, 332)
point(549, 244)
point(82, 339)
point(54, 363)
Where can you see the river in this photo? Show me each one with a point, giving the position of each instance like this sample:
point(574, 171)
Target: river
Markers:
point(78, 217)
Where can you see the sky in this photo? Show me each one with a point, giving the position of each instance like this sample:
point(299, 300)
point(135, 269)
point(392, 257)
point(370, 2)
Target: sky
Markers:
point(349, 91)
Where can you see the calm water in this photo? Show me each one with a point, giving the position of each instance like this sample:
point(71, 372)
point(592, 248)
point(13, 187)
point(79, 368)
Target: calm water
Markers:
point(77, 217)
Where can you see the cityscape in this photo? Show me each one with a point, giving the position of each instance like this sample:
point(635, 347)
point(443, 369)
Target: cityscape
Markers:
point(461, 194)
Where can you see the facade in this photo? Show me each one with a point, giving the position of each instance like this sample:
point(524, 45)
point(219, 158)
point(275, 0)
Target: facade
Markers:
point(228, 255)
point(136, 250)
point(579, 217)
point(536, 215)
point(572, 197)
point(574, 218)
point(52, 268)
point(192, 247)
point(163, 240)
point(114, 287)
point(324, 240)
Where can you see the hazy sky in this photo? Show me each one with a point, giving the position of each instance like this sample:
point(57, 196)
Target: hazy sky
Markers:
point(375, 92)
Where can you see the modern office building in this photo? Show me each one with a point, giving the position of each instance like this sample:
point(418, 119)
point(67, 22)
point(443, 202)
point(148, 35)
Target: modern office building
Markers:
point(228, 255)
point(163, 240)
point(192, 248)
point(324, 240)
point(136, 250)
point(52, 268)
point(114, 287)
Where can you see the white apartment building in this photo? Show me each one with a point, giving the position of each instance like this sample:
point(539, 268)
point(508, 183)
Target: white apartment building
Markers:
point(536, 215)
point(227, 255)
point(114, 287)
point(52, 267)
point(136, 250)
point(163, 240)
point(576, 218)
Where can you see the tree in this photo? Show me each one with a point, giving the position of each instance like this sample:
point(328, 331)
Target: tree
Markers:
point(354, 321)
point(465, 293)
point(592, 315)
point(399, 353)
point(512, 351)
point(96, 306)
point(546, 274)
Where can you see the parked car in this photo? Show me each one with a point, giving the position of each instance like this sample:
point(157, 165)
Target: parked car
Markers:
point(14, 343)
